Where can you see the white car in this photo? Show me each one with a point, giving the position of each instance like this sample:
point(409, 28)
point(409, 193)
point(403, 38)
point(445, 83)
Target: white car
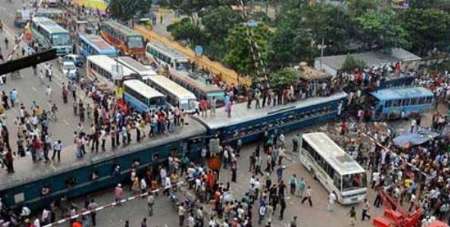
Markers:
point(70, 70)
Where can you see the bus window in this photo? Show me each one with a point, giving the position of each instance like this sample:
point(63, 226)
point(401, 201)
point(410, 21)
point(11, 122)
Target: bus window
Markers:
point(406, 102)
point(337, 180)
point(395, 103)
point(60, 39)
point(135, 42)
point(353, 181)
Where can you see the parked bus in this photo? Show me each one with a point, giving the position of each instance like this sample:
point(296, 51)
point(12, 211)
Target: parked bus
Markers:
point(334, 168)
point(176, 94)
point(105, 72)
point(95, 45)
point(52, 13)
point(167, 57)
point(48, 35)
point(142, 97)
point(123, 38)
point(401, 102)
point(106, 67)
point(135, 66)
point(199, 88)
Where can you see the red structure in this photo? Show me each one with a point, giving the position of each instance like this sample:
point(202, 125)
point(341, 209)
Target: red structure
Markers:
point(395, 215)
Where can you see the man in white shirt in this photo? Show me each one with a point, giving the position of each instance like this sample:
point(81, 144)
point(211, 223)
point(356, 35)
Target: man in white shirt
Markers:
point(331, 201)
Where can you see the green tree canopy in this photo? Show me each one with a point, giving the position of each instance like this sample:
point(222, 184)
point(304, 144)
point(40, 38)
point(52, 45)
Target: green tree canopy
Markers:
point(185, 30)
point(427, 28)
point(381, 29)
point(239, 55)
point(359, 7)
point(352, 63)
point(127, 9)
point(283, 77)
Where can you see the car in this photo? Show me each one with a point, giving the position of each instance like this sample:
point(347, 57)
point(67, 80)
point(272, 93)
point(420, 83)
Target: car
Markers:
point(76, 59)
point(70, 70)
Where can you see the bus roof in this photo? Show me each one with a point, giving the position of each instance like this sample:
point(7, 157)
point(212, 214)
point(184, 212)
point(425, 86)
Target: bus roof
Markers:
point(184, 76)
point(168, 51)
point(245, 115)
point(107, 63)
point(401, 93)
point(97, 42)
point(49, 25)
point(171, 86)
point(136, 66)
point(332, 153)
point(142, 88)
point(121, 28)
point(44, 11)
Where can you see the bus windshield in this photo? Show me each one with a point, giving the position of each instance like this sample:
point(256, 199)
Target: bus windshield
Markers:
point(61, 39)
point(182, 66)
point(135, 42)
point(353, 181)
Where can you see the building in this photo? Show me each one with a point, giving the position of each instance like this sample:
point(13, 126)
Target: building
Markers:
point(332, 64)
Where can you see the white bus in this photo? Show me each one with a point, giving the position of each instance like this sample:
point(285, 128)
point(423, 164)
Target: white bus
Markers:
point(334, 168)
point(137, 67)
point(98, 66)
point(142, 97)
point(165, 56)
point(176, 94)
point(49, 34)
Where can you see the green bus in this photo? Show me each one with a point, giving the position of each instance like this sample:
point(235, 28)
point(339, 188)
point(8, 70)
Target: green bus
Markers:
point(48, 34)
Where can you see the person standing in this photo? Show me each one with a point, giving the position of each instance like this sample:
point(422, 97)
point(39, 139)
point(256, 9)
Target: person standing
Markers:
point(118, 194)
point(144, 222)
point(293, 222)
point(307, 196)
point(181, 213)
point(365, 210)
point(262, 213)
point(282, 207)
point(331, 201)
point(127, 223)
point(92, 206)
point(13, 97)
point(150, 203)
point(352, 215)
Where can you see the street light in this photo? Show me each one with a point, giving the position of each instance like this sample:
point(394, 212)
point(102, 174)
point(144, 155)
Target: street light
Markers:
point(321, 47)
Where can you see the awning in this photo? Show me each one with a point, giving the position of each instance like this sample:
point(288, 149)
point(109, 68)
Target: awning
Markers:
point(414, 139)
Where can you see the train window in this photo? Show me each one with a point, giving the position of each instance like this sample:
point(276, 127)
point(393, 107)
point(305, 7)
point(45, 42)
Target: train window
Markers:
point(406, 102)
point(70, 182)
point(414, 101)
point(45, 190)
point(116, 170)
point(429, 99)
point(395, 102)
point(155, 157)
point(94, 175)
point(136, 163)
point(19, 197)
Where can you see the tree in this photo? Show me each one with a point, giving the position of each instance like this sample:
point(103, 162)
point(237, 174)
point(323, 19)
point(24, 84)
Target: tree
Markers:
point(185, 30)
point(239, 55)
point(351, 63)
point(380, 29)
point(427, 28)
point(127, 9)
point(359, 7)
point(291, 45)
point(218, 21)
point(283, 77)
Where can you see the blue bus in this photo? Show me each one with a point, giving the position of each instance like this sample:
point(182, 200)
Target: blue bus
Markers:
point(401, 102)
point(95, 45)
point(142, 97)
point(49, 34)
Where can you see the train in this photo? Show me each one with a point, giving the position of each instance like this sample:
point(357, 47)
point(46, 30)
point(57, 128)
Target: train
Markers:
point(105, 170)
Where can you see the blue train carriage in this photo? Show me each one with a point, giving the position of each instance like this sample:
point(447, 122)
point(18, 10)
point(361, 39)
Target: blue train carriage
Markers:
point(39, 188)
point(393, 103)
point(250, 124)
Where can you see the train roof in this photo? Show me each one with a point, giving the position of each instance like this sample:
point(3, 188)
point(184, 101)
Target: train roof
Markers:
point(240, 113)
point(27, 172)
point(401, 93)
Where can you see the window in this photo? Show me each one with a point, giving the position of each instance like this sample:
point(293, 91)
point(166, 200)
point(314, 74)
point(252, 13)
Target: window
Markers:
point(388, 103)
point(414, 101)
point(395, 103)
point(353, 181)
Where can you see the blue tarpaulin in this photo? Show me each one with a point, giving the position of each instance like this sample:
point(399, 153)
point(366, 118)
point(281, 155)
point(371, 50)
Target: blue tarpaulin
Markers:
point(417, 138)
